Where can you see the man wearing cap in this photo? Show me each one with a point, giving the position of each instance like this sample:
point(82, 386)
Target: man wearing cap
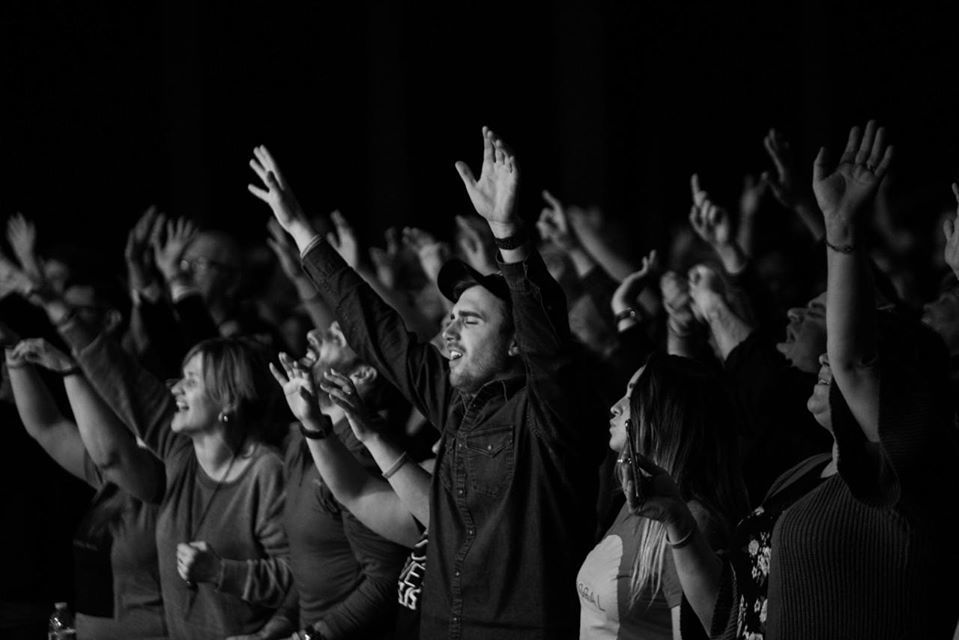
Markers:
point(513, 495)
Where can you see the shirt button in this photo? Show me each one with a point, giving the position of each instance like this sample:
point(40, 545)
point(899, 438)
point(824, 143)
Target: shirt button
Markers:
point(459, 491)
point(459, 445)
point(470, 531)
point(457, 573)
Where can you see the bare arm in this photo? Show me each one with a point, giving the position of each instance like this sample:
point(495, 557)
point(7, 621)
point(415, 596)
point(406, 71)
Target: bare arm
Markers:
point(43, 421)
point(843, 194)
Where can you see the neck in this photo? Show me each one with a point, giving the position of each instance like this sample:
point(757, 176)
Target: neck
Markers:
point(832, 468)
point(214, 454)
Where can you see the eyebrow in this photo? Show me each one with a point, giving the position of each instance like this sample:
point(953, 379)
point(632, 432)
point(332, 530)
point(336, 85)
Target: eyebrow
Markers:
point(470, 314)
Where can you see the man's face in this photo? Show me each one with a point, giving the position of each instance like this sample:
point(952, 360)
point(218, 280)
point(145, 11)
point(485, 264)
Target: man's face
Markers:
point(942, 316)
point(805, 335)
point(476, 339)
point(211, 264)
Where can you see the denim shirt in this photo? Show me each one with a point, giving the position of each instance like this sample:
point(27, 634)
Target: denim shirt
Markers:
point(512, 504)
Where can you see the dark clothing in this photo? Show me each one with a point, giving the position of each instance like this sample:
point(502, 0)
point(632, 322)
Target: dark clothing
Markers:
point(769, 397)
point(410, 593)
point(514, 491)
point(344, 573)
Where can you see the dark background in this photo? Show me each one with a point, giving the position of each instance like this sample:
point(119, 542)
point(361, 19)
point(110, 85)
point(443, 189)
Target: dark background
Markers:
point(109, 106)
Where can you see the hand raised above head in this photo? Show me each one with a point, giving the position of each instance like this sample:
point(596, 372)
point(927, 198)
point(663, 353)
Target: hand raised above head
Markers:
point(950, 228)
point(342, 391)
point(627, 293)
point(844, 190)
point(493, 194)
point(706, 290)
point(169, 249)
point(554, 225)
point(22, 236)
point(41, 353)
point(297, 385)
point(711, 222)
point(277, 193)
point(343, 239)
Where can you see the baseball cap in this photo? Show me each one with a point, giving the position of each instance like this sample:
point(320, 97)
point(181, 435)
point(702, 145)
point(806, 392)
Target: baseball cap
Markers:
point(456, 276)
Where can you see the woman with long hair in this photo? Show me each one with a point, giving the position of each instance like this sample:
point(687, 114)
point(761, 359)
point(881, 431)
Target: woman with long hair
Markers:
point(674, 412)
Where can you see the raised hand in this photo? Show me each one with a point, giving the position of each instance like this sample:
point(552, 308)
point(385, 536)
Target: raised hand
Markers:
point(843, 191)
point(286, 253)
point(41, 353)
point(751, 195)
point(138, 258)
point(787, 185)
point(678, 303)
point(344, 240)
point(277, 193)
point(950, 227)
point(297, 385)
point(431, 252)
point(343, 392)
point(474, 249)
point(554, 225)
point(22, 236)
point(706, 291)
point(13, 279)
point(711, 222)
point(627, 293)
point(494, 194)
point(387, 261)
point(169, 247)
point(197, 562)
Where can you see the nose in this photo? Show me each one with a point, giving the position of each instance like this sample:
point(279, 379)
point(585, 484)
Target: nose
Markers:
point(824, 359)
point(451, 331)
point(173, 384)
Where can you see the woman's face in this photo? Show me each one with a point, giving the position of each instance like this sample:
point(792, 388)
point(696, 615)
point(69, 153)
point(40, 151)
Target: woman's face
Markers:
point(818, 403)
point(619, 415)
point(196, 411)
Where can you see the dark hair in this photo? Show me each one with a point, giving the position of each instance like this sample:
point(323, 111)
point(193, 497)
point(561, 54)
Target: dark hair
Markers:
point(682, 421)
point(235, 373)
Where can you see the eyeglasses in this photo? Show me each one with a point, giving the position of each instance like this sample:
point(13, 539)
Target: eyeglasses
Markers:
point(199, 264)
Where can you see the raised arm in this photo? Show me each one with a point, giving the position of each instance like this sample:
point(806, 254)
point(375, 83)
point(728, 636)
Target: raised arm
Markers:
point(788, 186)
point(714, 225)
point(43, 421)
point(371, 500)
point(950, 229)
point(111, 447)
point(710, 306)
point(373, 328)
point(844, 193)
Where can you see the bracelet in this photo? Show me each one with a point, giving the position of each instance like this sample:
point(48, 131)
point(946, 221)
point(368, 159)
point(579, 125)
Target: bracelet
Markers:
point(629, 314)
point(841, 248)
point(317, 434)
point(682, 542)
point(514, 241)
point(400, 461)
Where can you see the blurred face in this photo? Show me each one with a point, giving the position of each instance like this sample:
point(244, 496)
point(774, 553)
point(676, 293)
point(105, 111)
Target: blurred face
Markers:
point(212, 264)
point(805, 335)
point(619, 415)
point(818, 403)
point(83, 298)
point(942, 316)
point(475, 339)
point(196, 411)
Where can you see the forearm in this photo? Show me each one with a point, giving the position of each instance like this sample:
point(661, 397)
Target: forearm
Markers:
point(35, 404)
point(698, 567)
point(410, 481)
point(582, 261)
point(728, 329)
point(850, 326)
point(111, 447)
point(140, 400)
point(732, 257)
point(811, 217)
point(603, 254)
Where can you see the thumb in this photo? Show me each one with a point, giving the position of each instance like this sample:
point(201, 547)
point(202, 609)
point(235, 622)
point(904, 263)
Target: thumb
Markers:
point(466, 174)
point(200, 545)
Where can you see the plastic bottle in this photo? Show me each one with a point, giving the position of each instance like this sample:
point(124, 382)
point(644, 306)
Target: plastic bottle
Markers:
point(61, 623)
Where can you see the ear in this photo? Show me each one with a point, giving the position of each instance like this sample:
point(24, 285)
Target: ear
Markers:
point(513, 348)
point(336, 333)
point(363, 376)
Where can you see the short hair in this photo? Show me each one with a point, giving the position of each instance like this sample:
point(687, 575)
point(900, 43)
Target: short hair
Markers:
point(235, 373)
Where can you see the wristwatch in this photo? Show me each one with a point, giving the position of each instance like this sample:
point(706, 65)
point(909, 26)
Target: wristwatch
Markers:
point(310, 634)
point(326, 427)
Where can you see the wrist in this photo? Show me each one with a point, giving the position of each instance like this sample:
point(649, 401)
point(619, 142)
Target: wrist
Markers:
point(505, 229)
point(732, 257)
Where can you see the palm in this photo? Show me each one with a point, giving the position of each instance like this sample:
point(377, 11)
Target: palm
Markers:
point(846, 189)
point(493, 194)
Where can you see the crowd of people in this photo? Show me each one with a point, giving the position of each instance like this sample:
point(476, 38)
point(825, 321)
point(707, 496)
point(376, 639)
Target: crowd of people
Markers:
point(521, 433)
